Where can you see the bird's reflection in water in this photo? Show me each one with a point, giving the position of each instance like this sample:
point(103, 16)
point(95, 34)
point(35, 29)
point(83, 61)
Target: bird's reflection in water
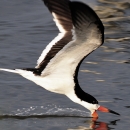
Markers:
point(97, 125)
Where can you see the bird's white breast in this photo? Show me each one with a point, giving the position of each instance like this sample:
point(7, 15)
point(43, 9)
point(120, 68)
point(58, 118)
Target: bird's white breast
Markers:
point(61, 84)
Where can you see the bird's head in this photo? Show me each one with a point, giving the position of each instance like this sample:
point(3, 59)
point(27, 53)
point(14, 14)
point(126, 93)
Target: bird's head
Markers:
point(92, 104)
point(102, 109)
point(89, 102)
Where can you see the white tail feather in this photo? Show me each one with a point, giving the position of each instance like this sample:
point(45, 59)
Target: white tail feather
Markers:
point(9, 70)
point(24, 73)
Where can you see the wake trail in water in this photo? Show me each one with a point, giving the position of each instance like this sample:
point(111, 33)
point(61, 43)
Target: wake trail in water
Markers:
point(45, 111)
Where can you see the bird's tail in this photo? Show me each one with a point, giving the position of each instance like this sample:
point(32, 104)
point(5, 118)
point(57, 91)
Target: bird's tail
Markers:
point(26, 74)
point(9, 70)
point(17, 71)
point(22, 72)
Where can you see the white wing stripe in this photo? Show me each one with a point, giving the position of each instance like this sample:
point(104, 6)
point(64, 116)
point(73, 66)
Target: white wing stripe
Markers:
point(61, 29)
point(54, 41)
point(48, 48)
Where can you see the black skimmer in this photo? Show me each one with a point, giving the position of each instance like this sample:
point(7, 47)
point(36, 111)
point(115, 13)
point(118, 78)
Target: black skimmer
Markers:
point(81, 32)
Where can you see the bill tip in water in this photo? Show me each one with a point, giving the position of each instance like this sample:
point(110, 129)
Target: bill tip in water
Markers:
point(104, 109)
point(113, 112)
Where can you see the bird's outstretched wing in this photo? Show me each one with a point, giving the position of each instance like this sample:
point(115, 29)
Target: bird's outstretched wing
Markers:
point(81, 33)
point(62, 17)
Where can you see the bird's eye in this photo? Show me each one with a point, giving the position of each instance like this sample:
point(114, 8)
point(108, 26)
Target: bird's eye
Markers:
point(94, 102)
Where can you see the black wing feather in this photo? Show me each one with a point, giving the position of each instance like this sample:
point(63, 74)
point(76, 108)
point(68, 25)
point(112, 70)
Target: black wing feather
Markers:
point(82, 20)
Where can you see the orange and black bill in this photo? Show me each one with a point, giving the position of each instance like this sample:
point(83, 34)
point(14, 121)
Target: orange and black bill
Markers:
point(104, 109)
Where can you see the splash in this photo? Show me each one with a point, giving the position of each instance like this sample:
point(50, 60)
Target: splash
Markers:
point(50, 110)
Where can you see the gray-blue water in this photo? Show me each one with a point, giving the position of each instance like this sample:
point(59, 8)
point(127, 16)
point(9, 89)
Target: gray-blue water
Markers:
point(26, 27)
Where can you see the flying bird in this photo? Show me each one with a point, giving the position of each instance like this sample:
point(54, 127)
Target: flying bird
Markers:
point(80, 33)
